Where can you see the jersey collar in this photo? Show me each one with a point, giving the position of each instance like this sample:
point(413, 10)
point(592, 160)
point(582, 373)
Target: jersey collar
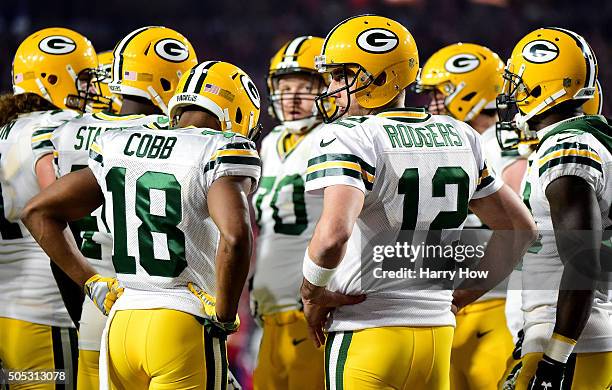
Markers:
point(542, 132)
point(282, 150)
point(406, 114)
point(108, 116)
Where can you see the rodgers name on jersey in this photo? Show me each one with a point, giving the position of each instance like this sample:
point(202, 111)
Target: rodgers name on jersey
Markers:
point(26, 272)
point(155, 186)
point(582, 147)
point(418, 172)
point(286, 217)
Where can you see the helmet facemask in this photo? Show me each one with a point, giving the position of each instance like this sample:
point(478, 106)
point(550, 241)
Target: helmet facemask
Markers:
point(511, 128)
point(289, 102)
point(439, 95)
point(89, 97)
point(355, 77)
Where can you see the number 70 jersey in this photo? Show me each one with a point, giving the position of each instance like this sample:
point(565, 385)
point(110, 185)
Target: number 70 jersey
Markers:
point(418, 173)
point(155, 185)
point(286, 217)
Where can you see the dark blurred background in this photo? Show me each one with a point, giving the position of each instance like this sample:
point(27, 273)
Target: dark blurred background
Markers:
point(248, 33)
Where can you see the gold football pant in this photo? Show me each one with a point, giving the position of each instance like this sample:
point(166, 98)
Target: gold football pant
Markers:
point(389, 358)
point(288, 360)
point(481, 346)
point(584, 371)
point(25, 346)
point(164, 349)
point(87, 377)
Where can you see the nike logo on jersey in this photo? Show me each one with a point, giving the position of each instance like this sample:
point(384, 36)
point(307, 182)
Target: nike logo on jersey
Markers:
point(298, 341)
point(324, 144)
point(563, 139)
point(481, 334)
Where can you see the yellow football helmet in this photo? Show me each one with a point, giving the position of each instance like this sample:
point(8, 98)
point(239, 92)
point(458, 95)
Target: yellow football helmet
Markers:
point(469, 76)
point(105, 66)
point(297, 57)
point(225, 91)
point(58, 64)
point(547, 67)
point(594, 106)
point(149, 62)
point(379, 51)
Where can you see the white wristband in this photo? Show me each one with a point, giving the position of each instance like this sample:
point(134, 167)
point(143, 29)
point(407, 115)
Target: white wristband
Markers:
point(314, 273)
point(559, 348)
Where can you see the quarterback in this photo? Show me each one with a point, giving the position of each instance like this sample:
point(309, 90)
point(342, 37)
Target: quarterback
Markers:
point(568, 321)
point(464, 79)
point(286, 216)
point(385, 170)
point(70, 147)
point(52, 74)
point(177, 210)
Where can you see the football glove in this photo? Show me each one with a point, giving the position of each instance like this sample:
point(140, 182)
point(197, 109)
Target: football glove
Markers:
point(549, 375)
point(215, 327)
point(103, 292)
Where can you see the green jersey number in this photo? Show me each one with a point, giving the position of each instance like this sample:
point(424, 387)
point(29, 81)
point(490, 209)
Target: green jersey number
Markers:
point(299, 205)
point(409, 187)
point(167, 224)
point(87, 227)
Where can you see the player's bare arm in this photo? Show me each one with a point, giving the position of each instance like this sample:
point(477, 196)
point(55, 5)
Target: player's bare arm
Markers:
point(229, 209)
point(513, 231)
point(513, 174)
point(577, 223)
point(341, 207)
point(47, 215)
point(45, 174)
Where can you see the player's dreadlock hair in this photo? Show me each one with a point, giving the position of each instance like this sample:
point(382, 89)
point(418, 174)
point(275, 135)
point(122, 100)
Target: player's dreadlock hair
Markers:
point(13, 105)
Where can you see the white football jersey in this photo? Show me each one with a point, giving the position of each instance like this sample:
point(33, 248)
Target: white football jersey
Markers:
point(418, 172)
point(71, 152)
point(28, 290)
point(572, 152)
point(155, 184)
point(286, 216)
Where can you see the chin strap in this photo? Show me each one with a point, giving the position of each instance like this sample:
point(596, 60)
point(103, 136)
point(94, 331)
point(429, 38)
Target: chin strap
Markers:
point(540, 107)
point(153, 93)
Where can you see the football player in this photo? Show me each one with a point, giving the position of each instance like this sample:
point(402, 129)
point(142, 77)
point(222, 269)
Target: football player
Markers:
point(464, 79)
point(568, 323)
point(176, 206)
point(286, 217)
point(52, 72)
point(158, 70)
point(514, 313)
point(385, 171)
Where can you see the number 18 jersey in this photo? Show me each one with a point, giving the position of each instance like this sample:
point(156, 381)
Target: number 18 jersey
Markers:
point(155, 185)
point(70, 153)
point(418, 172)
